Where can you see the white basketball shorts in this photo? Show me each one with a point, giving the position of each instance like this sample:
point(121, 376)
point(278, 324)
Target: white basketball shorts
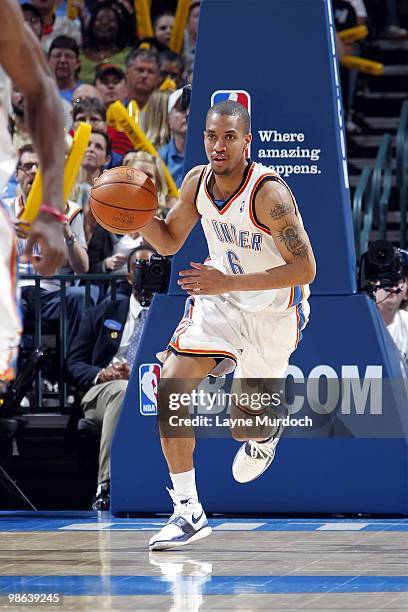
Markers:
point(255, 345)
point(10, 324)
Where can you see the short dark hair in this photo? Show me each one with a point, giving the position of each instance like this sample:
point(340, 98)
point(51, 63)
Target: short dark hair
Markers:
point(64, 42)
point(89, 105)
point(146, 54)
point(193, 5)
point(107, 140)
point(26, 148)
point(30, 8)
point(232, 109)
point(170, 56)
point(120, 13)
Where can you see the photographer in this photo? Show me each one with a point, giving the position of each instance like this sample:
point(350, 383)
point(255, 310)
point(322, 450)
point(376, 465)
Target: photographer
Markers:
point(390, 304)
point(101, 357)
point(386, 270)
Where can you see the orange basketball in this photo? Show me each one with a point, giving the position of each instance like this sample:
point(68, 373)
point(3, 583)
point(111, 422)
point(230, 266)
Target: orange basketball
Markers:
point(123, 200)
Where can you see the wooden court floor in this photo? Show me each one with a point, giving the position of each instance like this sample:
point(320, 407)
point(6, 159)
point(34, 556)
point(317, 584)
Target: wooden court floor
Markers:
point(102, 563)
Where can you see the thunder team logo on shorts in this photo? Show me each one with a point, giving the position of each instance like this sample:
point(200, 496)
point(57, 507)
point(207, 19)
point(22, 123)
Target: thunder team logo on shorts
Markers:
point(149, 376)
point(238, 95)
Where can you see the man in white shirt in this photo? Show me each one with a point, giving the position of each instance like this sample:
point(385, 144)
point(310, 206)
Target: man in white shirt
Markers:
point(100, 361)
point(389, 303)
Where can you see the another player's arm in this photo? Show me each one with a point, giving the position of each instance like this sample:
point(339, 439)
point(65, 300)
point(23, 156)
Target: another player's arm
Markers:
point(168, 235)
point(24, 61)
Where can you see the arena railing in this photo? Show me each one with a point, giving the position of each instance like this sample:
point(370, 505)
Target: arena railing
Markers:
point(372, 195)
point(402, 171)
point(39, 329)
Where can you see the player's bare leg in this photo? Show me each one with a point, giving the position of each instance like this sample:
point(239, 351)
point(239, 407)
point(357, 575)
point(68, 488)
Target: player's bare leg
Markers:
point(188, 523)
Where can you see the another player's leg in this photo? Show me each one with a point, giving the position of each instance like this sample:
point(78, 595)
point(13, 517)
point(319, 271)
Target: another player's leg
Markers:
point(10, 324)
point(188, 522)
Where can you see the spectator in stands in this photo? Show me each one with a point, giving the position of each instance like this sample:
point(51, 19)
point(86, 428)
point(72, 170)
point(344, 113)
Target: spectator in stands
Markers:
point(33, 18)
point(190, 37)
point(105, 39)
point(390, 303)
point(63, 58)
point(153, 167)
point(97, 155)
point(142, 75)
point(17, 120)
point(173, 153)
point(171, 65)
point(100, 361)
point(90, 110)
point(110, 81)
point(84, 92)
point(77, 261)
point(163, 27)
point(57, 25)
point(156, 119)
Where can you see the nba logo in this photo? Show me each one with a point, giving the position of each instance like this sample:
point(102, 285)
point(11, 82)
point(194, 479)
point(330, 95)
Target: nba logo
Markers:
point(237, 95)
point(149, 376)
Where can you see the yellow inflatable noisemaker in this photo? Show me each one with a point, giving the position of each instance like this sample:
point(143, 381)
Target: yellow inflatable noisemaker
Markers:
point(118, 118)
point(72, 166)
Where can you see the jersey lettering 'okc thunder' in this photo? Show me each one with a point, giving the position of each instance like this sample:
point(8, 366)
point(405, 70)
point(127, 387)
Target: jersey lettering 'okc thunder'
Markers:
point(239, 244)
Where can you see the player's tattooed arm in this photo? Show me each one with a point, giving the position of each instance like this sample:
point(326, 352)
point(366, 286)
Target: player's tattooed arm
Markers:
point(291, 237)
point(280, 210)
point(276, 211)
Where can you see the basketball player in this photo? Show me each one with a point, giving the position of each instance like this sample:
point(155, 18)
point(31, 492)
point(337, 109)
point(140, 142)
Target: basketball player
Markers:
point(247, 305)
point(22, 59)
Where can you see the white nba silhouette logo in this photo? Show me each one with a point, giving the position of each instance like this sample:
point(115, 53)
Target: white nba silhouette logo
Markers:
point(149, 376)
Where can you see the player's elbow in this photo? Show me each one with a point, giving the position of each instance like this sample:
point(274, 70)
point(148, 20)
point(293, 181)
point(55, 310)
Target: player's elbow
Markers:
point(309, 273)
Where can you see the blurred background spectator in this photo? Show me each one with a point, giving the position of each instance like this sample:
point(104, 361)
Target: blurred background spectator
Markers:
point(163, 27)
point(173, 152)
point(63, 59)
point(142, 75)
point(33, 18)
point(156, 119)
point(190, 38)
point(56, 25)
point(105, 38)
point(100, 361)
point(110, 81)
point(171, 65)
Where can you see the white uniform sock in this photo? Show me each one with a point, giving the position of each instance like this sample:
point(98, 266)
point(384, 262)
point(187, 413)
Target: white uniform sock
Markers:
point(184, 484)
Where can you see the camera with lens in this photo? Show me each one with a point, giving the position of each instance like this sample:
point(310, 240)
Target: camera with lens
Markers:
point(150, 277)
point(382, 267)
point(185, 98)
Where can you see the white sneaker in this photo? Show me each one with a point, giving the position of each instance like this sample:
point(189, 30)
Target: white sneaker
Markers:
point(187, 524)
point(253, 458)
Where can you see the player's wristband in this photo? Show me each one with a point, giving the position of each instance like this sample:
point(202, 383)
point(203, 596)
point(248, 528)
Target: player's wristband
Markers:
point(54, 212)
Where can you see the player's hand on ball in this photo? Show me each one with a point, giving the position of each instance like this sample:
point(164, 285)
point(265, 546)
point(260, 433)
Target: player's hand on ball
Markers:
point(203, 280)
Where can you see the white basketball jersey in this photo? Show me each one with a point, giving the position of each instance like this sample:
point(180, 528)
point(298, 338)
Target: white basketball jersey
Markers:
point(239, 244)
point(7, 152)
